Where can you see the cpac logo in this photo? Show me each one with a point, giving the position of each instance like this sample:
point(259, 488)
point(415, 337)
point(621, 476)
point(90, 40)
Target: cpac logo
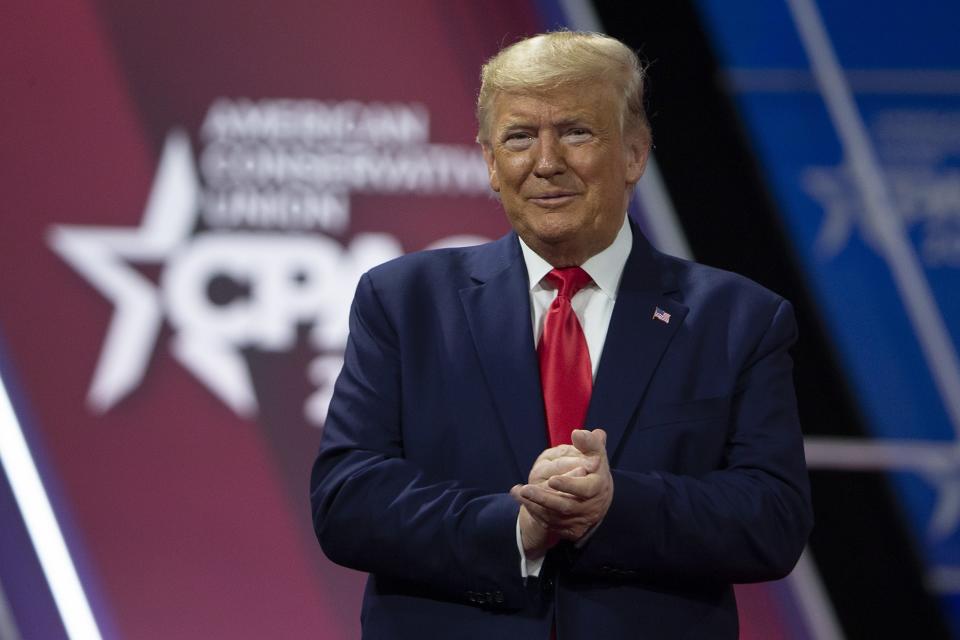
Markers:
point(916, 151)
point(221, 291)
point(924, 198)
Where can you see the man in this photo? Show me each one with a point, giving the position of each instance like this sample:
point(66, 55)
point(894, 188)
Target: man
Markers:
point(452, 466)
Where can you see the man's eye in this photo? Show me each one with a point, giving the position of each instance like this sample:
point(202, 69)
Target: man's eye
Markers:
point(517, 140)
point(579, 133)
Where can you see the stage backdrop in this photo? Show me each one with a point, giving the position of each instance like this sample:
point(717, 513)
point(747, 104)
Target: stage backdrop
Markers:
point(191, 192)
point(854, 111)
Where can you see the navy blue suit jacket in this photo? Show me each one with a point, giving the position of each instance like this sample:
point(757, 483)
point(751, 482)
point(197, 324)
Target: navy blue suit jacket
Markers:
point(438, 412)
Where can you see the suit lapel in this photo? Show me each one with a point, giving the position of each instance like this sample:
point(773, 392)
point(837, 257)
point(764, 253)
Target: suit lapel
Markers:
point(498, 314)
point(635, 341)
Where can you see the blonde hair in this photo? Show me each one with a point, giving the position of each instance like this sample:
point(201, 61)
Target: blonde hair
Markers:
point(560, 58)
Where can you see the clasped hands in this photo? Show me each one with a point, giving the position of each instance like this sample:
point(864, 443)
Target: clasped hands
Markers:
point(568, 492)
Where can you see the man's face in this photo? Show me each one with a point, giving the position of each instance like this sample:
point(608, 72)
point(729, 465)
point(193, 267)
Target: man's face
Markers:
point(563, 168)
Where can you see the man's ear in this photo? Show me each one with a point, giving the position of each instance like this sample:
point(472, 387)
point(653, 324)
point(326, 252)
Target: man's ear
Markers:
point(491, 166)
point(637, 150)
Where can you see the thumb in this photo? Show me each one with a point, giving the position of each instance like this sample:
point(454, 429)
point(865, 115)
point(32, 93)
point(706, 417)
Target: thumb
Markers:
point(589, 441)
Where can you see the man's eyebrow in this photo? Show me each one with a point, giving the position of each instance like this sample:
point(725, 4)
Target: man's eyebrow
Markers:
point(577, 118)
point(516, 121)
point(522, 121)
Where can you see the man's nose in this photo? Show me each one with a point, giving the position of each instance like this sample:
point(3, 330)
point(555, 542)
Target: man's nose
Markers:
point(550, 160)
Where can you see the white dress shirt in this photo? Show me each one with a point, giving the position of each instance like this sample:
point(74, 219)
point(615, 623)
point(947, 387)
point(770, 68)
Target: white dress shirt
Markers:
point(593, 305)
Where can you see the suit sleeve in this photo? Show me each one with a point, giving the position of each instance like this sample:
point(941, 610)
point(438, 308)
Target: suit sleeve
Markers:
point(747, 521)
point(375, 511)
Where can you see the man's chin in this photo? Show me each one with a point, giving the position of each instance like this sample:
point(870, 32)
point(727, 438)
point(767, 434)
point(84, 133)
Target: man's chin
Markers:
point(557, 226)
point(553, 237)
point(559, 247)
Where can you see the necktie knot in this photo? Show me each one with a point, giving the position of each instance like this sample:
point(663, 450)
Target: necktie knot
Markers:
point(569, 280)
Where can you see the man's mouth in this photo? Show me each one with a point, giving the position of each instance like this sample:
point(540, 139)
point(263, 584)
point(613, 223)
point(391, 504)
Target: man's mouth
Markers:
point(550, 200)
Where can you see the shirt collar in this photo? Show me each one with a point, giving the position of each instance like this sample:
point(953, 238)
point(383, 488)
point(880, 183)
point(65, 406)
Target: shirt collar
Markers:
point(605, 267)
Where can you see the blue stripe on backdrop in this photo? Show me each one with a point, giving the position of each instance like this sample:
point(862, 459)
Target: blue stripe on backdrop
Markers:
point(862, 154)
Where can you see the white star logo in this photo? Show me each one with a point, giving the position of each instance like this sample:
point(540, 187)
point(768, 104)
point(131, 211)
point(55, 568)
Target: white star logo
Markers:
point(288, 280)
point(103, 255)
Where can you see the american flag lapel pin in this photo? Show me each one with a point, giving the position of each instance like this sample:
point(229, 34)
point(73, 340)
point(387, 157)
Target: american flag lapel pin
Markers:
point(661, 315)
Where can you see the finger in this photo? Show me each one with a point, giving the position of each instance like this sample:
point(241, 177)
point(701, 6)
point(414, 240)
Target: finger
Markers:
point(559, 451)
point(554, 520)
point(562, 504)
point(543, 484)
point(546, 469)
point(588, 442)
point(517, 490)
point(582, 487)
point(557, 466)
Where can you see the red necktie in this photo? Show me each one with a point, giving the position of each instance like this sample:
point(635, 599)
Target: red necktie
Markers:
point(565, 371)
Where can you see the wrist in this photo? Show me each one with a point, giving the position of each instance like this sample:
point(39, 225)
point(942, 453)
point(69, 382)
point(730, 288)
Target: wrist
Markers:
point(535, 538)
